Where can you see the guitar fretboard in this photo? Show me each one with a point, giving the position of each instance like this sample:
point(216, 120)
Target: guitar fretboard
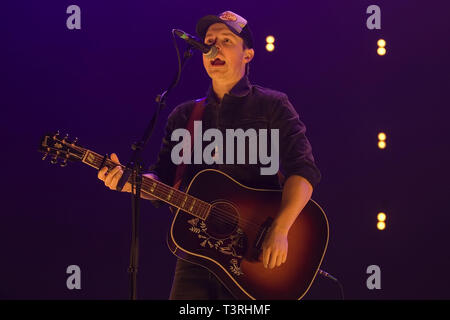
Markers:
point(159, 190)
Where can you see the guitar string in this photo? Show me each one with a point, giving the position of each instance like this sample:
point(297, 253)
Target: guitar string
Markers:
point(222, 214)
point(179, 196)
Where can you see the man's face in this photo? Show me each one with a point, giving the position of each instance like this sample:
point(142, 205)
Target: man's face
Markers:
point(229, 64)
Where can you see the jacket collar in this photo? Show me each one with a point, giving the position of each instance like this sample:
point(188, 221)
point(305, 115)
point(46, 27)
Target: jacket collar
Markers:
point(238, 92)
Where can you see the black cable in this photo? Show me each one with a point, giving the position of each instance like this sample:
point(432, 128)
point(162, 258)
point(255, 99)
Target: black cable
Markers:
point(329, 276)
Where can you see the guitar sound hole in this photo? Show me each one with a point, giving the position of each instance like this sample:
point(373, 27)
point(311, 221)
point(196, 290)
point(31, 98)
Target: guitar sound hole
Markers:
point(222, 220)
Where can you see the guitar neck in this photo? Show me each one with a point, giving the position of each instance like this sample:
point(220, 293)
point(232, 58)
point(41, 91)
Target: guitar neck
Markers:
point(155, 188)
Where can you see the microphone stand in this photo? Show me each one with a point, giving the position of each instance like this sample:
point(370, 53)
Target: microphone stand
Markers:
point(134, 169)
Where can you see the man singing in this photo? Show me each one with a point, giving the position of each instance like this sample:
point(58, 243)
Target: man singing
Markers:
point(233, 102)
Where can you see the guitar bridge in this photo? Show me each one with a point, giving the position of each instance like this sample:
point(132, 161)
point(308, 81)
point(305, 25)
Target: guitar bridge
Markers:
point(261, 236)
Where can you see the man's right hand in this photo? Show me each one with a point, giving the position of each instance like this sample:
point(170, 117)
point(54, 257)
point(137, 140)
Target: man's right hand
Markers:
point(111, 178)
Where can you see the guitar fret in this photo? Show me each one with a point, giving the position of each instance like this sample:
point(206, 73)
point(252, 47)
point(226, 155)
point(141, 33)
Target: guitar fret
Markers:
point(205, 212)
point(158, 191)
point(200, 209)
point(184, 201)
point(85, 156)
point(176, 198)
point(181, 199)
point(90, 158)
point(192, 206)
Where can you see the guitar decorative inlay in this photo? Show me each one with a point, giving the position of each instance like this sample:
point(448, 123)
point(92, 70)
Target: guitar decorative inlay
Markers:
point(235, 267)
point(90, 158)
point(233, 245)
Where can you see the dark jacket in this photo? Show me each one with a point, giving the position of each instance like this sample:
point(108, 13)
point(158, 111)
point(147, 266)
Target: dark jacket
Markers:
point(246, 106)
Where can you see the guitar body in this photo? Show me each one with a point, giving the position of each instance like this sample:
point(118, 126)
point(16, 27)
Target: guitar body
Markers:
point(229, 241)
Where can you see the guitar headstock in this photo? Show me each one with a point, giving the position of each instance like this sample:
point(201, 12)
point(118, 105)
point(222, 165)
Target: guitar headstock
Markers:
point(58, 147)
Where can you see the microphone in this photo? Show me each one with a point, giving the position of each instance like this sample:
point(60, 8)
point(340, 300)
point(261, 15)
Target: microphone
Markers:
point(209, 51)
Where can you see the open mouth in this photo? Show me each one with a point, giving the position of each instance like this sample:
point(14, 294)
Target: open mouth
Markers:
point(217, 62)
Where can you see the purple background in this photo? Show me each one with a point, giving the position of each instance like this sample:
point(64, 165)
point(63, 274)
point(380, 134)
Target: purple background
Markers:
point(99, 84)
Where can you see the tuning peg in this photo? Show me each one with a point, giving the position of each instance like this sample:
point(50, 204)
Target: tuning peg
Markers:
point(55, 159)
point(75, 141)
point(64, 163)
point(45, 156)
point(65, 137)
point(56, 134)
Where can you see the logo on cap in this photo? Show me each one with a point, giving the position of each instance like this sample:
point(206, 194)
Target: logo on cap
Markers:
point(228, 16)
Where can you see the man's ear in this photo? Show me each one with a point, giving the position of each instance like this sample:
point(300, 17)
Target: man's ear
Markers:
point(248, 55)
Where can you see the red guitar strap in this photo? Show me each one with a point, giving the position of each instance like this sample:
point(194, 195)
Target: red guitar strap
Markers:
point(196, 115)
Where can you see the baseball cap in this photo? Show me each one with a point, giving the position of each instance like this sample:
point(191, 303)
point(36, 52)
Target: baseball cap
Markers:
point(237, 24)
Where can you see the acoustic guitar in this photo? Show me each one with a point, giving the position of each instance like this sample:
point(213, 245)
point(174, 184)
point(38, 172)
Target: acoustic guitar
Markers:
point(220, 224)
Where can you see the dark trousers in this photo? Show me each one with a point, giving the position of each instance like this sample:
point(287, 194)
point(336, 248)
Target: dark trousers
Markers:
point(193, 282)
